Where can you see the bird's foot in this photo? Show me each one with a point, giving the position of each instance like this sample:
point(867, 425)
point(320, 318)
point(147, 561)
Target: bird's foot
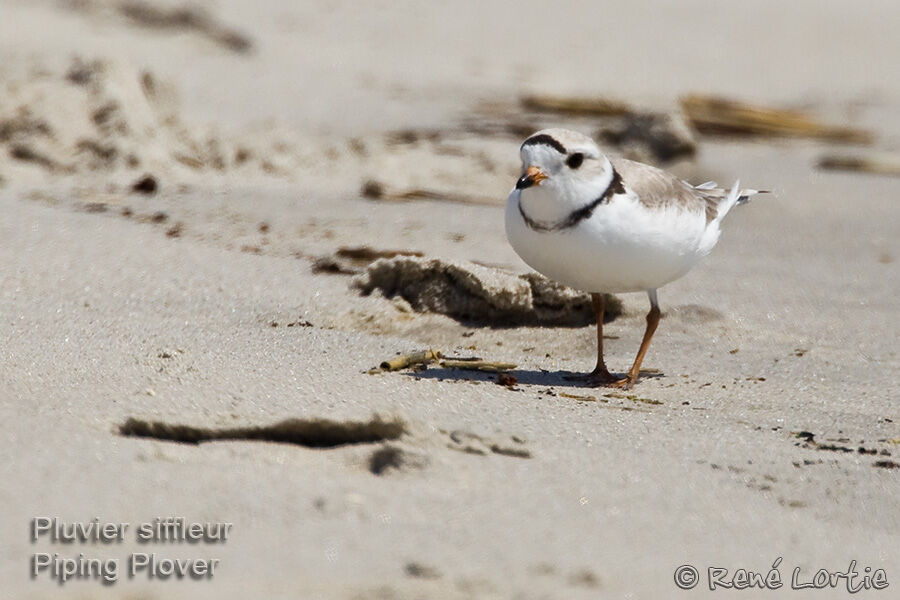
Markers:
point(626, 383)
point(595, 378)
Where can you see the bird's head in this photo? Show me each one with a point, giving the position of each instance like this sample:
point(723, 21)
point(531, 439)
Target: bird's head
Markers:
point(562, 171)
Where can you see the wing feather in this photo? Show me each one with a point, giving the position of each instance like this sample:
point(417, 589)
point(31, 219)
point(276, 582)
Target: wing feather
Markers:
point(656, 188)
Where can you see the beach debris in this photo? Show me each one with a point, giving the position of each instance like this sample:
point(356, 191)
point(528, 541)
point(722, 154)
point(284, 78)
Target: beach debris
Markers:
point(352, 260)
point(578, 397)
point(507, 380)
point(187, 17)
point(651, 137)
point(403, 361)
point(513, 451)
point(806, 436)
point(389, 458)
point(632, 397)
point(384, 458)
point(377, 190)
point(300, 322)
point(95, 207)
point(25, 152)
point(412, 136)
point(420, 571)
point(146, 184)
point(717, 115)
point(876, 164)
point(478, 294)
point(424, 357)
point(477, 364)
point(575, 105)
point(175, 230)
point(312, 433)
point(584, 578)
point(807, 439)
point(644, 400)
point(372, 189)
point(834, 448)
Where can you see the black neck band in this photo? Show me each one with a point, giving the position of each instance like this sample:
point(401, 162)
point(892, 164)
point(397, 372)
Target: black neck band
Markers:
point(577, 216)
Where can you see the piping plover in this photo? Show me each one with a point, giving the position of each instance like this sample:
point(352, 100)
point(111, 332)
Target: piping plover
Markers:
point(602, 225)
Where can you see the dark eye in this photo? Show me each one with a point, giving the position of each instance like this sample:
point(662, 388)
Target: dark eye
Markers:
point(574, 161)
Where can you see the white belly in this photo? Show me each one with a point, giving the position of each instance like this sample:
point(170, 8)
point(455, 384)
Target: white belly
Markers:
point(622, 247)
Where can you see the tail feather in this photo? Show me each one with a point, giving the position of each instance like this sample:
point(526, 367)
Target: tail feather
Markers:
point(724, 200)
point(734, 197)
point(745, 195)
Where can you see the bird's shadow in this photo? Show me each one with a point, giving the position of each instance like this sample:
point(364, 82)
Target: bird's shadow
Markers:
point(523, 376)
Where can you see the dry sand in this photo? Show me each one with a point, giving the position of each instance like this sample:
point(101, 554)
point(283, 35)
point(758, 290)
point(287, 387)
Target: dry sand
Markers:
point(769, 429)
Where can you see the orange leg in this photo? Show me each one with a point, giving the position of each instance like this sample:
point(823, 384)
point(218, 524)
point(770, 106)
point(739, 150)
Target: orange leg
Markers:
point(652, 322)
point(600, 375)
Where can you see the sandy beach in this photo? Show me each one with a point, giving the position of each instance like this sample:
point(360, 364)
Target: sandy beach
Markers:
point(197, 198)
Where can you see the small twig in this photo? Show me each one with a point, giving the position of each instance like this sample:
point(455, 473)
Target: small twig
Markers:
point(407, 360)
point(477, 365)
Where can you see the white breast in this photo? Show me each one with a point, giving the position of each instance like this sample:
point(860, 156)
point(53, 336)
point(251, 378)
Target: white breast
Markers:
point(622, 247)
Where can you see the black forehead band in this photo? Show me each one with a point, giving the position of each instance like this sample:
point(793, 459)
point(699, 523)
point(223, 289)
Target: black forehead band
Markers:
point(543, 138)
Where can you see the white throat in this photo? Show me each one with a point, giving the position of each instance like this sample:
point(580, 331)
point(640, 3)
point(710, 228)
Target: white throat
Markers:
point(556, 198)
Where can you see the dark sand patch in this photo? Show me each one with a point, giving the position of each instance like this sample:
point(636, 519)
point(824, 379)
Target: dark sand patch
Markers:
point(311, 433)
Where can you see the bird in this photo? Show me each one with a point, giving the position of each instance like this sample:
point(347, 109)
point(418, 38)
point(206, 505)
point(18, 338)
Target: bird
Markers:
point(605, 225)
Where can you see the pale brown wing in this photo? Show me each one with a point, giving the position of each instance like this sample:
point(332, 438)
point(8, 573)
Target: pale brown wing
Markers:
point(656, 188)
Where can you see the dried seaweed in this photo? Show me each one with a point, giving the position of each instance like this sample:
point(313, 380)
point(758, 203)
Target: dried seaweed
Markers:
point(717, 115)
point(877, 164)
point(575, 105)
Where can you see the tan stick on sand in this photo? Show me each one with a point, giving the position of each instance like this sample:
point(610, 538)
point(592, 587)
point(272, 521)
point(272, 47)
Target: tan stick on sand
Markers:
point(407, 360)
point(478, 365)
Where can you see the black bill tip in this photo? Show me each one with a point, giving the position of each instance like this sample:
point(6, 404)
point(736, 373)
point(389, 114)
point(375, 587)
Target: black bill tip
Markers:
point(525, 181)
